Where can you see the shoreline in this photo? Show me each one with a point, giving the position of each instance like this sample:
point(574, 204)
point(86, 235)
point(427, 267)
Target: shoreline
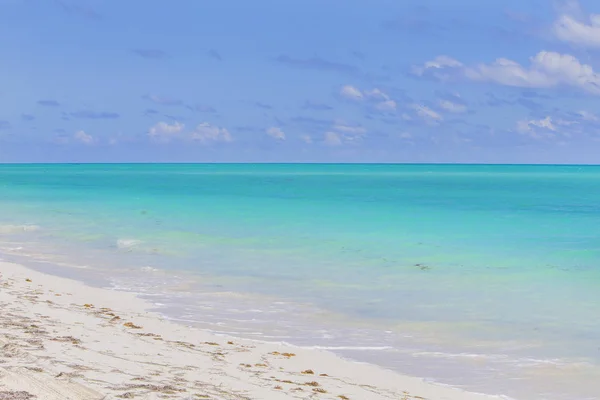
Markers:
point(62, 339)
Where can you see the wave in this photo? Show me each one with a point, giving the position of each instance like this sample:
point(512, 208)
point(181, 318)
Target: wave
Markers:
point(506, 359)
point(485, 395)
point(8, 229)
point(460, 355)
point(339, 348)
point(128, 244)
point(149, 269)
point(352, 348)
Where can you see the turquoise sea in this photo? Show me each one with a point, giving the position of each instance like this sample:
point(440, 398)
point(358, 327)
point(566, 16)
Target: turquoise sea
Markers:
point(482, 277)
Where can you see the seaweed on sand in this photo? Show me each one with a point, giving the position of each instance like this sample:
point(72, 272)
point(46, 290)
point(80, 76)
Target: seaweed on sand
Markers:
point(10, 395)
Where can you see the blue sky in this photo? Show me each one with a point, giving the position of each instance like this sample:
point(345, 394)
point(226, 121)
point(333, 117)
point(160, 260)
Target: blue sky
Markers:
point(310, 81)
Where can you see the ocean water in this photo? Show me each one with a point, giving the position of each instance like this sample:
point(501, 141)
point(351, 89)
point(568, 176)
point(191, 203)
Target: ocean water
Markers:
point(482, 277)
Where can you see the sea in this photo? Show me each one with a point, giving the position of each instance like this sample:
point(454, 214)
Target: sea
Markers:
point(482, 277)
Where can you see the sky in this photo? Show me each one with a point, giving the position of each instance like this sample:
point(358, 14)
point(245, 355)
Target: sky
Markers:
point(466, 81)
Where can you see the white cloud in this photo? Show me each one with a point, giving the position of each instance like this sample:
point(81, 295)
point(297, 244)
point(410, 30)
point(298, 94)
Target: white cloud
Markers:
point(560, 126)
point(438, 67)
point(530, 126)
point(443, 62)
point(582, 33)
point(563, 122)
point(83, 137)
point(164, 131)
point(405, 135)
point(452, 107)
point(587, 116)
point(381, 100)
point(387, 105)
point(547, 128)
point(546, 69)
point(376, 94)
point(351, 93)
point(341, 126)
point(342, 132)
point(332, 139)
point(427, 113)
point(306, 139)
point(206, 132)
point(580, 123)
point(276, 133)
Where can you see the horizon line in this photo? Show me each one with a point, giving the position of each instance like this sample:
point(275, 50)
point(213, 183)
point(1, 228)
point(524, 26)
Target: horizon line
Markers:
point(296, 163)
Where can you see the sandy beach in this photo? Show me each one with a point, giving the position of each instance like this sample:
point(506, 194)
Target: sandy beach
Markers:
point(61, 339)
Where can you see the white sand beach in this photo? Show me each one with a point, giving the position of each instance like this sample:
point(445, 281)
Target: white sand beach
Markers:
point(61, 339)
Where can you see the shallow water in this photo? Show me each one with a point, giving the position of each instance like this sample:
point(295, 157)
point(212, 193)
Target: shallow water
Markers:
point(487, 277)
